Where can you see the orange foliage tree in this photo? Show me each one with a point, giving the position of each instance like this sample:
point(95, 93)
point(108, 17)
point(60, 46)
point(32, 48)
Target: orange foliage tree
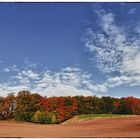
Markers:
point(62, 108)
point(128, 105)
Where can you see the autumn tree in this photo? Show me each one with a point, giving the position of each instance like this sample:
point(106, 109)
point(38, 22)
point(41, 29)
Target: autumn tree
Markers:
point(7, 105)
point(26, 105)
point(132, 105)
point(59, 108)
point(32, 107)
point(128, 105)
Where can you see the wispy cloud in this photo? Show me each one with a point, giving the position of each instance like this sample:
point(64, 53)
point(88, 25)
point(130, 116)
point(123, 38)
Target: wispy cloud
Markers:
point(12, 68)
point(115, 49)
point(69, 81)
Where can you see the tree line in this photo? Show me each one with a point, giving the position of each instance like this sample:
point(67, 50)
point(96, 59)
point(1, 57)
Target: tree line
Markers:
point(32, 107)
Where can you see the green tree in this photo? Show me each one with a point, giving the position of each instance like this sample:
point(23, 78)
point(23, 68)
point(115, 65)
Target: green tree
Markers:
point(108, 104)
point(26, 105)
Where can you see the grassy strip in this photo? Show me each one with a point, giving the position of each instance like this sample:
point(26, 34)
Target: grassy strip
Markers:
point(93, 116)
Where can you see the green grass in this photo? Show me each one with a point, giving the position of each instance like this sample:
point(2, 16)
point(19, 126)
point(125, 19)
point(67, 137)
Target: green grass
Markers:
point(86, 117)
point(92, 116)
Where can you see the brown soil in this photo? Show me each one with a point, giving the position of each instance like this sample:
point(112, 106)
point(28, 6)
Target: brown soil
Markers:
point(104, 127)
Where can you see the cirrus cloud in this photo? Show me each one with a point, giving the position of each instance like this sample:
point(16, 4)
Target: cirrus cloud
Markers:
point(115, 49)
point(69, 81)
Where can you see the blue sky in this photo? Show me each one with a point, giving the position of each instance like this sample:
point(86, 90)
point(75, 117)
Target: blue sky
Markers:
point(61, 49)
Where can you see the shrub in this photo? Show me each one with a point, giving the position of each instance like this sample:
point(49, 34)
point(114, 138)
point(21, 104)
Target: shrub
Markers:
point(39, 117)
point(51, 118)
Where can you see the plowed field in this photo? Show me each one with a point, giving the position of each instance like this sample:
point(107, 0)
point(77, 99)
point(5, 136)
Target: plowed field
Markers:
point(103, 127)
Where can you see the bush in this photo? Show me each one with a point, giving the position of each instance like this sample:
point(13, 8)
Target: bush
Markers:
point(44, 118)
point(51, 118)
point(39, 117)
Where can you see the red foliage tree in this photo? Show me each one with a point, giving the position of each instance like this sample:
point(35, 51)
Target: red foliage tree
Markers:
point(128, 105)
point(133, 105)
point(62, 107)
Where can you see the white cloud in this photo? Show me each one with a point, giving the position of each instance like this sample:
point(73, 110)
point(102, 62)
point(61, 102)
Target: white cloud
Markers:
point(131, 61)
point(107, 45)
point(6, 89)
point(137, 28)
point(13, 68)
point(26, 76)
point(115, 50)
point(30, 74)
point(69, 81)
point(62, 90)
point(6, 70)
point(123, 80)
